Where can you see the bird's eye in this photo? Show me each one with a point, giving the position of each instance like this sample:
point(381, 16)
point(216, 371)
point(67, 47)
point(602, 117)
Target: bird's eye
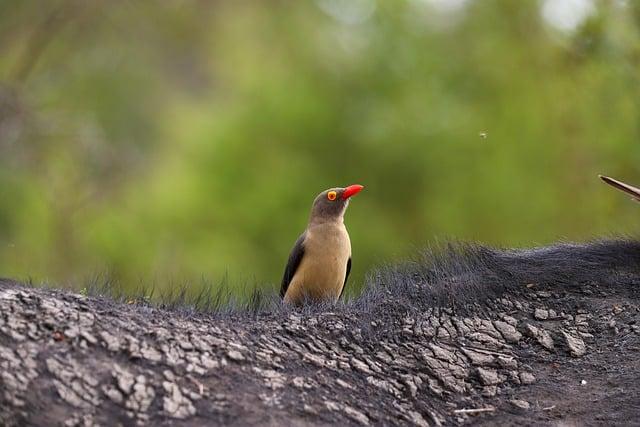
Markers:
point(331, 195)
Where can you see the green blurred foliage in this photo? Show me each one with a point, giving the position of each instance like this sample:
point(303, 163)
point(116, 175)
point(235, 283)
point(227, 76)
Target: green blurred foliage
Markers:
point(168, 141)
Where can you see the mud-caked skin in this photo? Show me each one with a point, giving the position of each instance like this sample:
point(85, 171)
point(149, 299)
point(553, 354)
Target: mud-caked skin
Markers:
point(547, 336)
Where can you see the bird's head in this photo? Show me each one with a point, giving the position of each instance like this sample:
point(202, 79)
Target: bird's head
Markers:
point(331, 204)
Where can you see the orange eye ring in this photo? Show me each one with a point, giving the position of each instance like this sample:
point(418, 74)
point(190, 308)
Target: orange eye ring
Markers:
point(331, 195)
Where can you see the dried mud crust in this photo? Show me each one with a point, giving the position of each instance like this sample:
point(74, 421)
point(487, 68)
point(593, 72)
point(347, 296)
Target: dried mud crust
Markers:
point(532, 354)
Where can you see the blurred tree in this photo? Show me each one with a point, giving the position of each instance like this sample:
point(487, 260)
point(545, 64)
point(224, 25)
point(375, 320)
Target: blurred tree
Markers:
point(175, 140)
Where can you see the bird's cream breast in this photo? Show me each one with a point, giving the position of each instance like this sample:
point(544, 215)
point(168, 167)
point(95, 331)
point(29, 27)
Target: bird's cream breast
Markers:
point(323, 269)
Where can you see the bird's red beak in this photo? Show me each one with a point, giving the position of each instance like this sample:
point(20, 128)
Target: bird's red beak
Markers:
point(351, 190)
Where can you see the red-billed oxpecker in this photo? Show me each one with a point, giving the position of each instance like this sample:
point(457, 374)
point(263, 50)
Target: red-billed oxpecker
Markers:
point(629, 189)
point(320, 262)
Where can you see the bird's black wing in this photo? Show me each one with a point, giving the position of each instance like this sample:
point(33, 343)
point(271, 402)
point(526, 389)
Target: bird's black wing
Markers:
point(292, 264)
point(346, 276)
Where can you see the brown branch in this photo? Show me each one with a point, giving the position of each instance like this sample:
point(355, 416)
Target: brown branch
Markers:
point(42, 35)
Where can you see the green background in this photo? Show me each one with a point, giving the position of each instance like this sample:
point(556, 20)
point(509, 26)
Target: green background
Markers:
point(164, 142)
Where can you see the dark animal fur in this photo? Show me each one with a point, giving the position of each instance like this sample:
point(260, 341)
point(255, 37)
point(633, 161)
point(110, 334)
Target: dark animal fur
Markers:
point(462, 273)
point(452, 275)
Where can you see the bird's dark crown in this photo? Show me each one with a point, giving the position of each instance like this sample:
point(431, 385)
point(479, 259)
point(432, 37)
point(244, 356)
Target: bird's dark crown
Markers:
point(331, 204)
point(329, 207)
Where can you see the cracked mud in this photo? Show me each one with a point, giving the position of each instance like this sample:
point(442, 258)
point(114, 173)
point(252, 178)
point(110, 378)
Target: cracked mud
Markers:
point(532, 352)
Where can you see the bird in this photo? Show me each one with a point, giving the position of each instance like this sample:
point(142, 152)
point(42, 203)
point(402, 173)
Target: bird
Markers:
point(320, 261)
point(629, 189)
